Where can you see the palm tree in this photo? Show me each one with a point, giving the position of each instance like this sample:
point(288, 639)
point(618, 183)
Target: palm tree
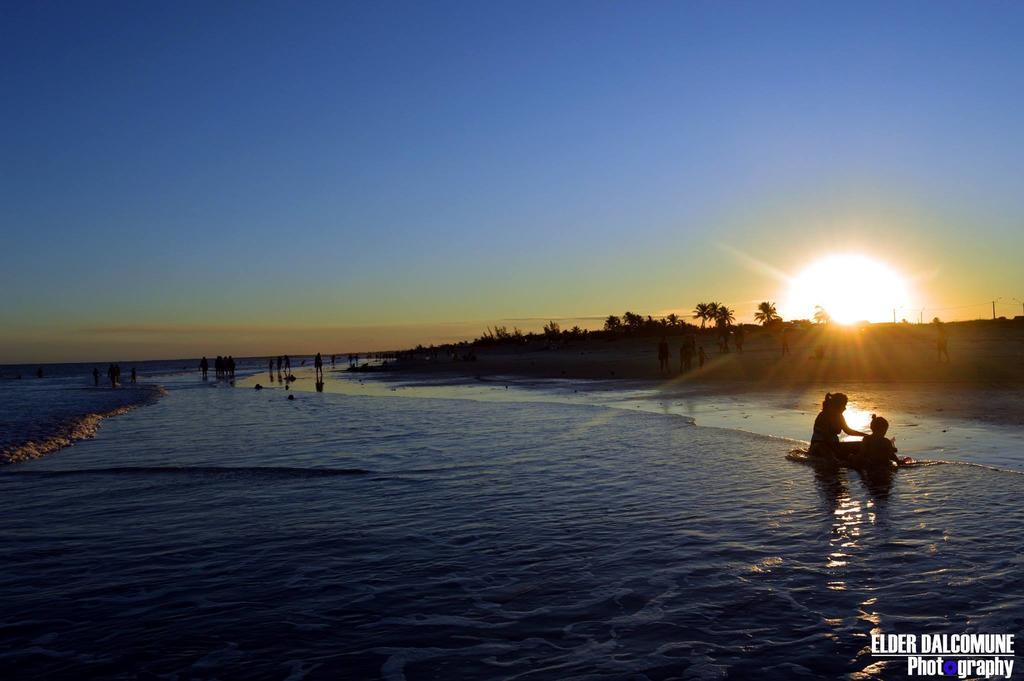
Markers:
point(821, 315)
point(632, 320)
point(702, 312)
point(723, 315)
point(766, 313)
point(672, 319)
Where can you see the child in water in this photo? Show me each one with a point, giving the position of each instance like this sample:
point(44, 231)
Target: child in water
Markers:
point(876, 450)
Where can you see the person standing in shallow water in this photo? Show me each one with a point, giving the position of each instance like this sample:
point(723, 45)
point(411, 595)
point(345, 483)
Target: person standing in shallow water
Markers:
point(95, 377)
point(318, 367)
point(663, 355)
point(204, 366)
point(135, 376)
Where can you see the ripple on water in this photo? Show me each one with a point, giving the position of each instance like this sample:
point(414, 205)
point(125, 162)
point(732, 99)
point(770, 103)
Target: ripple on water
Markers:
point(211, 534)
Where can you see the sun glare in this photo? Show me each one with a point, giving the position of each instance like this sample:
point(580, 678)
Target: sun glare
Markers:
point(850, 288)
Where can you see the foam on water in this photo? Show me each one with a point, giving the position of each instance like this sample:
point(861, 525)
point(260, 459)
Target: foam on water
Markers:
point(211, 535)
point(39, 416)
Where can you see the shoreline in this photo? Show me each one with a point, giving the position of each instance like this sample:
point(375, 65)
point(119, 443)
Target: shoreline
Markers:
point(981, 426)
point(81, 427)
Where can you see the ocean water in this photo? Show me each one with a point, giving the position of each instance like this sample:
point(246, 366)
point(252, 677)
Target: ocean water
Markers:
point(39, 415)
point(230, 533)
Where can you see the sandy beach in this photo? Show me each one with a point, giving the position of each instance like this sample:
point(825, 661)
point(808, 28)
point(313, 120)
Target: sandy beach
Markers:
point(988, 354)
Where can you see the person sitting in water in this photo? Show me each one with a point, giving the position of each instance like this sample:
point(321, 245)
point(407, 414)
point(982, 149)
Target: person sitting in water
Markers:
point(827, 426)
point(876, 450)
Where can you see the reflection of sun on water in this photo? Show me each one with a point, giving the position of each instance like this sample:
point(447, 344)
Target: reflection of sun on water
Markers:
point(857, 418)
point(851, 288)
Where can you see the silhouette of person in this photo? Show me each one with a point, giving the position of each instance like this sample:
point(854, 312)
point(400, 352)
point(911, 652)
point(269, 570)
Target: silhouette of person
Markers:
point(701, 357)
point(941, 341)
point(332, 361)
point(39, 372)
point(785, 342)
point(739, 339)
point(204, 366)
point(95, 377)
point(270, 368)
point(287, 367)
point(112, 376)
point(318, 367)
point(687, 351)
point(827, 426)
point(876, 450)
point(663, 355)
point(231, 367)
point(134, 376)
point(117, 373)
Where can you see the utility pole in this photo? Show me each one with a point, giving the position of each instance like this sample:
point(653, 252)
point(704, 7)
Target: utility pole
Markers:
point(894, 315)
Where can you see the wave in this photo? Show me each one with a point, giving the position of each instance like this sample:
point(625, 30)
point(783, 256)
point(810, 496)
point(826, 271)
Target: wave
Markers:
point(71, 430)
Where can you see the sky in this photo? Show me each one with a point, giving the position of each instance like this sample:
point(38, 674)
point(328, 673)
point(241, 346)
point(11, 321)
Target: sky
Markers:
point(193, 178)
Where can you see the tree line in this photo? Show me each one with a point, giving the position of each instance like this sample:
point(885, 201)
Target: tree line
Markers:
point(714, 314)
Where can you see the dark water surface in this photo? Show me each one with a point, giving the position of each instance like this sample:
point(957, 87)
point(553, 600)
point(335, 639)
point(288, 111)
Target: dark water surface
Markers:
point(232, 534)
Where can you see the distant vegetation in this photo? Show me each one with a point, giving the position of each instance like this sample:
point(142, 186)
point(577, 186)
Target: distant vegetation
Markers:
point(714, 317)
point(629, 324)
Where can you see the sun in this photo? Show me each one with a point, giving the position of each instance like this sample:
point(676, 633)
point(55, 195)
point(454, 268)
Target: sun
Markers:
point(850, 288)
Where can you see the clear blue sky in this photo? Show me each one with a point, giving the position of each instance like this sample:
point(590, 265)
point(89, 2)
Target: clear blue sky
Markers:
point(216, 164)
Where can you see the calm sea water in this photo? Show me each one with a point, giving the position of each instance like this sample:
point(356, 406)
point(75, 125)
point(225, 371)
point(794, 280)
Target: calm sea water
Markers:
point(233, 534)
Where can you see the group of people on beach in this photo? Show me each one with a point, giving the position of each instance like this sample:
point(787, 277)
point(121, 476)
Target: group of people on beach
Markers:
point(687, 351)
point(224, 367)
point(113, 375)
point(284, 362)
